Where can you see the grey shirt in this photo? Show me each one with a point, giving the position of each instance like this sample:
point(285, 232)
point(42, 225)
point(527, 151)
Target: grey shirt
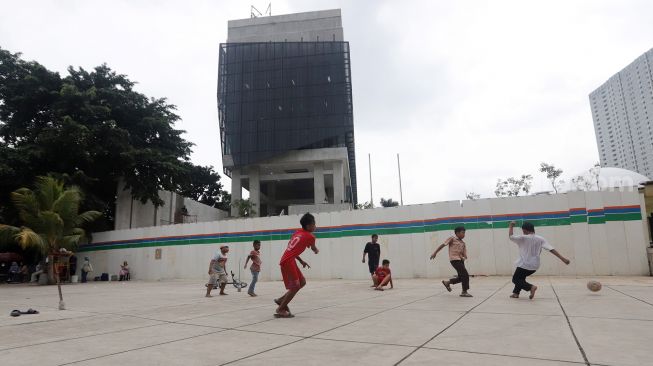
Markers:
point(220, 260)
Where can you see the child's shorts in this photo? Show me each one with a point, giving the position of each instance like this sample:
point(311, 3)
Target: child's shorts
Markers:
point(216, 278)
point(292, 276)
point(380, 278)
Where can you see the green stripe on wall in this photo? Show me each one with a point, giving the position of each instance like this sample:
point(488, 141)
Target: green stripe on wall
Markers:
point(593, 220)
point(419, 228)
point(623, 216)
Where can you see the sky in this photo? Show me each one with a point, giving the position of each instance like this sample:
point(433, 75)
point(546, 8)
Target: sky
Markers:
point(466, 92)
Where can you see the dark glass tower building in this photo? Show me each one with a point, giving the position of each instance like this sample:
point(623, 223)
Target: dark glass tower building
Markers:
point(285, 111)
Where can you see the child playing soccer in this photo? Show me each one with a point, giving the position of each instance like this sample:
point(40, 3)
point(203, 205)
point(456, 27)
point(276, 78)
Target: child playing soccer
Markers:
point(292, 276)
point(373, 251)
point(255, 268)
point(530, 247)
point(218, 271)
point(382, 276)
point(457, 257)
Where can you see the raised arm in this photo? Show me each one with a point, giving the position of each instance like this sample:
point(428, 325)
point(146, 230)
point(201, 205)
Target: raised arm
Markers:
point(511, 227)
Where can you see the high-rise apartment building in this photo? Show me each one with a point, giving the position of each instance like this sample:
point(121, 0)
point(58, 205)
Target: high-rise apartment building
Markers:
point(622, 110)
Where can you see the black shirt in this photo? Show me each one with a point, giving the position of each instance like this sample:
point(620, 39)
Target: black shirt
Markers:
point(373, 252)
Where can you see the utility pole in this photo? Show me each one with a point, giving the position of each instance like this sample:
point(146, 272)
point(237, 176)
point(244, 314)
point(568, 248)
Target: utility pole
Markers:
point(401, 193)
point(369, 160)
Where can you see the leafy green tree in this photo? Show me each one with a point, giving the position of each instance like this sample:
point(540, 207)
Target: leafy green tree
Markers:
point(245, 207)
point(50, 220)
point(512, 187)
point(595, 174)
point(364, 206)
point(388, 203)
point(91, 128)
point(552, 174)
point(200, 185)
point(581, 183)
point(590, 181)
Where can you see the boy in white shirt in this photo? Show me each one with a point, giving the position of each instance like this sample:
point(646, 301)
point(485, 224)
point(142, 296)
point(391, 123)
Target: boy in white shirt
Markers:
point(218, 271)
point(530, 247)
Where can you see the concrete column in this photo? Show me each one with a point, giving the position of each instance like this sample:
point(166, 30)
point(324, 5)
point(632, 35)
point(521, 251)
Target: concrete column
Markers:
point(255, 189)
point(338, 183)
point(236, 190)
point(318, 182)
point(272, 197)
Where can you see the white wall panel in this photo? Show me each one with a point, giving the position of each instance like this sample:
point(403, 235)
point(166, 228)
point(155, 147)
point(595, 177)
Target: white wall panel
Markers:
point(616, 247)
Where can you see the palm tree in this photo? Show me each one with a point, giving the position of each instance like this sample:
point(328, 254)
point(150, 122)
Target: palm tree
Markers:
point(51, 219)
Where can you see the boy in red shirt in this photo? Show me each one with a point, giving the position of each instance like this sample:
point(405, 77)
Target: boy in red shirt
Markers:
point(292, 276)
point(382, 276)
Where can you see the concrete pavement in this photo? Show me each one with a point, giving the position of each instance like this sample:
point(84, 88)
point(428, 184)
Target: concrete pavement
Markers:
point(341, 322)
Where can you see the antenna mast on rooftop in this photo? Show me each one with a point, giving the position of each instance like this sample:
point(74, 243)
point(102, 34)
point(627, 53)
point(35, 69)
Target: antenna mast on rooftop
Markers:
point(255, 13)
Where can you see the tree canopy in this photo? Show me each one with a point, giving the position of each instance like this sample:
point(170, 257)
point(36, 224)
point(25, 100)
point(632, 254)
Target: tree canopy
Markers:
point(512, 187)
point(552, 174)
point(388, 202)
point(90, 129)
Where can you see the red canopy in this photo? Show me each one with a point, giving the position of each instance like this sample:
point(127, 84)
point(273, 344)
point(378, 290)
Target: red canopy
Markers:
point(10, 257)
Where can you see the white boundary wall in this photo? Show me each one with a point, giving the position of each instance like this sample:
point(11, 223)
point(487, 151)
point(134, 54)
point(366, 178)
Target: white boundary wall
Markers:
point(612, 248)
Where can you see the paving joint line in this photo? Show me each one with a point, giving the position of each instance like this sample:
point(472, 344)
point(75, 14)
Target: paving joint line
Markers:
point(610, 318)
point(630, 285)
point(631, 296)
point(172, 321)
point(163, 322)
point(516, 314)
point(140, 348)
point(46, 321)
point(305, 311)
point(80, 337)
point(571, 328)
point(504, 355)
point(450, 325)
point(314, 336)
point(95, 314)
point(221, 329)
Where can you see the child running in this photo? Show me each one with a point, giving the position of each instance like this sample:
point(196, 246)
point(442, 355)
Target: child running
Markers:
point(255, 268)
point(530, 247)
point(457, 257)
point(373, 251)
point(218, 271)
point(382, 276)
point(292, 276)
